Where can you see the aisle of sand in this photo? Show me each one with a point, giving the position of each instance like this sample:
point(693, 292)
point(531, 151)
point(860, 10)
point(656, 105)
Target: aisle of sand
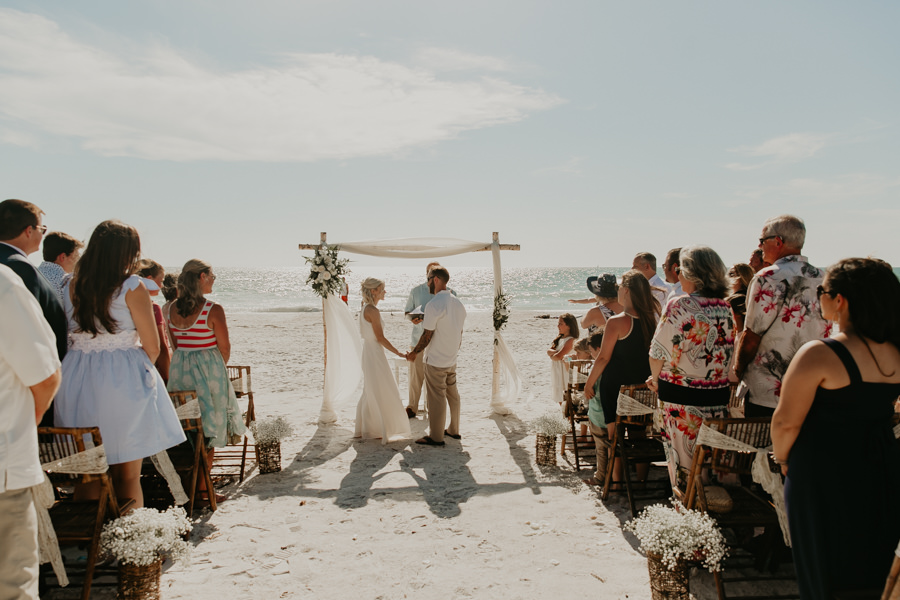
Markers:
point(349, 518)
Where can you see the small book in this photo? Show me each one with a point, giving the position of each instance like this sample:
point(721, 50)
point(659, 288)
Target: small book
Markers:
point(417, 312)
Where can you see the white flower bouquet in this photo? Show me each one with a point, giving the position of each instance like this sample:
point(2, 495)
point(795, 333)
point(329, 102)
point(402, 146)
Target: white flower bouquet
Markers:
point(501, 310)
point(550, 424)
point(145, 535)
point(326, 271)
point(678, 534)
point(271, 430)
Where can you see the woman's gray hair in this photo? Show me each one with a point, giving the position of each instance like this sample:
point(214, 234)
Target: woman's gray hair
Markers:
point(789, 228)
point(703, 267)
point(368, 287)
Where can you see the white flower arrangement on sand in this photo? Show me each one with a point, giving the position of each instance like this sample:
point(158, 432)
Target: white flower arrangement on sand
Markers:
point(271, 430)
point(677, 533)
point(326, 271)
point(145, 535)
point(551, 424)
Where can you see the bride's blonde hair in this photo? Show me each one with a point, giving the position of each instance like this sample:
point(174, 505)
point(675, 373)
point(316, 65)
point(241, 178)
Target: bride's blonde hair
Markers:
point(368, 287)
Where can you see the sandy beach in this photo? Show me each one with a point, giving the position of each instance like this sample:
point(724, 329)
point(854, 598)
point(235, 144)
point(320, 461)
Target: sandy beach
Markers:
point(475, 519)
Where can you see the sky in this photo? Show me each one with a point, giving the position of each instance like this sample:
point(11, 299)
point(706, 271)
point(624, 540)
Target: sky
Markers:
point(585, 131)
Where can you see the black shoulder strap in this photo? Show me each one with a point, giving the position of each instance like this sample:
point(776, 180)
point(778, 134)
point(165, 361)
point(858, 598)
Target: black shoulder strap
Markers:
point(846, 358)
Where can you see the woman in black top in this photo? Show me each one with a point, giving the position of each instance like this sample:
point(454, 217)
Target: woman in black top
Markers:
point(833, 427)
point(623, 358)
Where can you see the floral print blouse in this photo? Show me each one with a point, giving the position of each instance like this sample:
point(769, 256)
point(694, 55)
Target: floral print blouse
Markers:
point(695, 341)
point(783, 310)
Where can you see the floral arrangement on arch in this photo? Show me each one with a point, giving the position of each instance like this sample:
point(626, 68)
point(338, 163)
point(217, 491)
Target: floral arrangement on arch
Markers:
point(271, 430)
point(326, 270)
point(146, 535)
point(678, 534)
point(501, 310)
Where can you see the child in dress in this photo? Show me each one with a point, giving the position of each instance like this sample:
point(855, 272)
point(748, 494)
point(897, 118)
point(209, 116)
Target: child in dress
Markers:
point(560, 347)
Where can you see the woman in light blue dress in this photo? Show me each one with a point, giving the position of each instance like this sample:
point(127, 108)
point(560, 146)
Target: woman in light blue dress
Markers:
point(202, 348)
point(108, 377)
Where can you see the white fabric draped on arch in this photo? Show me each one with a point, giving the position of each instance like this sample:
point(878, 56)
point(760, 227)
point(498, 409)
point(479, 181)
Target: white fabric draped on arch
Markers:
point(343, 372)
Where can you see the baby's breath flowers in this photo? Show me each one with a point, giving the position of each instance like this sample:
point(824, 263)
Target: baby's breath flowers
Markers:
point(271, 430)
point(677, 533)
point(146, 535)
point(550, 423)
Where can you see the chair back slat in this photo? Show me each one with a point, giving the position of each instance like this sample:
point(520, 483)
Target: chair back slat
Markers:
point(179, 399)
point(756, 432)
point(641, 393)
point(56, 443)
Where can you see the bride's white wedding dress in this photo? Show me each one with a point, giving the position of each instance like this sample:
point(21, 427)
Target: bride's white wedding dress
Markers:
point(380, 412)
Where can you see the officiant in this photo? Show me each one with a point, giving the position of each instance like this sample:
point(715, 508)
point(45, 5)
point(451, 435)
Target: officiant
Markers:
point(415, 312)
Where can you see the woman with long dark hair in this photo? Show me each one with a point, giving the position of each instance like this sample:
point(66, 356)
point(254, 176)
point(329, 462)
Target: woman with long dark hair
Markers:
point(833, 423)
point(691, 354)
point(202, 349)
point(622, 360)
point(109, 380)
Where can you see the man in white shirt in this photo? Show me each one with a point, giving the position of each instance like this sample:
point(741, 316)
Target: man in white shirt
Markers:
point(61, 252)
point(670, 270)
point(441, 339)
point(646, 264)
point(29, 378)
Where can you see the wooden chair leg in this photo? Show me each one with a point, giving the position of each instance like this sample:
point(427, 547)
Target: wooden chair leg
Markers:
point(626, 471)
point(610, 465)
point(243, 460)
point(94, 549)
point(207, 476)
point(720, 587)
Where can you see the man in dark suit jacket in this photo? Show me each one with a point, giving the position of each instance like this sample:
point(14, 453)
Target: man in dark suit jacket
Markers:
point(21, 233)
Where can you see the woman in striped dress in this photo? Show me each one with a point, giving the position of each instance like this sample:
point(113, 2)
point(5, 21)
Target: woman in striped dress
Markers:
point(202, 348)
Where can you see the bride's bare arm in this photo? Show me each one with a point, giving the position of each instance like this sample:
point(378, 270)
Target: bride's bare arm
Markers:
point(372, 316)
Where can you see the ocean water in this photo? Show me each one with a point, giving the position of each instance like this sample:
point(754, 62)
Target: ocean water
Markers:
point(284, 289)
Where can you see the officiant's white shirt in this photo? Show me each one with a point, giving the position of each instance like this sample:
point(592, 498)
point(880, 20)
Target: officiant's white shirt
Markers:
point(445, 315)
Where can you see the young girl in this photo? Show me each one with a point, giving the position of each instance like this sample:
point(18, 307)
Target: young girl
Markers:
point(561, 346)
point(577, 373)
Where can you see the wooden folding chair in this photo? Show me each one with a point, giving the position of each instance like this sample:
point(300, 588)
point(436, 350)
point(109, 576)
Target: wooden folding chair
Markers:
point(634, 442)
point(581, 445)
point(188, 458)
point(750, 509)
point(232, 459)
point(78, 523)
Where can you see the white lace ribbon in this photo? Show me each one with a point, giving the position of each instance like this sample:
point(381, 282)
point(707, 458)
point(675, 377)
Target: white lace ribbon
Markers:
point(42, 494)
point(164, 466)
point(188, 410)
point(762, 474)
point(86, 342)
point(93, 461)
point(629, 407)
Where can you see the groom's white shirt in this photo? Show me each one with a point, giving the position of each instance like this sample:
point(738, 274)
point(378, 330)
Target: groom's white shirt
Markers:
point(445, 315)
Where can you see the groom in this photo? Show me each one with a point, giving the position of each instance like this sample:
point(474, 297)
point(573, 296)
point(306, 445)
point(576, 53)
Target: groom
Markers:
point(441, 338)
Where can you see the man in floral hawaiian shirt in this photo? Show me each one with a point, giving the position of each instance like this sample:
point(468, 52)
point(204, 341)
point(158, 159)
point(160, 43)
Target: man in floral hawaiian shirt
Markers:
point(782, 314)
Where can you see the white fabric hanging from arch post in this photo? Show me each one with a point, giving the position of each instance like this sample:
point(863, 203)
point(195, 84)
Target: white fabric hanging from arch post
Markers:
point(343, 374)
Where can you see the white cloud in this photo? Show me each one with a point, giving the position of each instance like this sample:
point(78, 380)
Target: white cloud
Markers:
point(846, 187)
point(156, 103)
point(571, 166)
point(448, 59)
point(785, 149)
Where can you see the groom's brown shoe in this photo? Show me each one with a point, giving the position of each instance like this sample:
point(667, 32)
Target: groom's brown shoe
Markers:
point(410, 413)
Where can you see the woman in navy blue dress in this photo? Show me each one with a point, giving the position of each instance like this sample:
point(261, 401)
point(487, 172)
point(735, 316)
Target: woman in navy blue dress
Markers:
point(832, 433)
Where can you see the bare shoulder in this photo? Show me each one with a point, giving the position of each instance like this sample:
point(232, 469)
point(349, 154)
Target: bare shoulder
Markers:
point(620, 323)
point(816, 356)
point(370, 312)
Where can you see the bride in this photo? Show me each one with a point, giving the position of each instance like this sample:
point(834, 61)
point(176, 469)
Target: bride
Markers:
point(380, 412)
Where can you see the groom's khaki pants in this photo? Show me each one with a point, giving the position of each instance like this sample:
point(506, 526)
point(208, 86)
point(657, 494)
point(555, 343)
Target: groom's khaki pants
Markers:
point(416, 379)
point(440, 387)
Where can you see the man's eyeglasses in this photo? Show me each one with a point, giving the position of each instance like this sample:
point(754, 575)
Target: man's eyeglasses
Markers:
point(821, 290)
point(41, 228)
point(762, 240)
